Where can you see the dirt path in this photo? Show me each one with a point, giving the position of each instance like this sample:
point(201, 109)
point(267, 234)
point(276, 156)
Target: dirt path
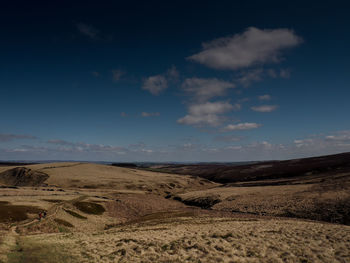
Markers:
point(10, 239)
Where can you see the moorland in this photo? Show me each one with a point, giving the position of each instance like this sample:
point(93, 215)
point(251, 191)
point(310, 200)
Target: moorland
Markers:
point(276, 211)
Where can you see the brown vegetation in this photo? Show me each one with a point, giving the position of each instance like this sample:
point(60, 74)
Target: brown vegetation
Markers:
point(99, 213)
point(15, 213)
point(90, 208)
point(292, 170)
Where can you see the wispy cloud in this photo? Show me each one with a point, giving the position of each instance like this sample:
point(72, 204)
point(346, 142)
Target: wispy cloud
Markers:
point(155, 84)
point(246, 78)
point(285, 73)
point(96, 74)
point(150, 114)
point(208, 113)
point(117, 74)
point(242, 126)
point(158, 83)
point(7, 137)
point(264, 108)
point(68, 146)
point(252, 47)
point(264, 97)
point(173, 74)
point(228, 138)
point(87, 30)
point(203, 89)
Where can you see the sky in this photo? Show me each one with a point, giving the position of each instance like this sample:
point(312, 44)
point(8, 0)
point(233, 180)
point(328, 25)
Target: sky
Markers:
point(174, 81)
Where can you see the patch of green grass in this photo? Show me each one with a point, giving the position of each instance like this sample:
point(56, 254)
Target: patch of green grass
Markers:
point(63, 222)
point(90, 208)
point(72, 213)
point(31, 252)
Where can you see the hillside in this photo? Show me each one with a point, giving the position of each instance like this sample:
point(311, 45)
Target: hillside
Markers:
point(97, 176)
point(308, 168)
point(101, 213)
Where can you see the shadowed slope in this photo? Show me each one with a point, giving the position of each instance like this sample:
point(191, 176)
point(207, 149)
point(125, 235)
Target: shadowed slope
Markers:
point(21, 176)
point(314, 167)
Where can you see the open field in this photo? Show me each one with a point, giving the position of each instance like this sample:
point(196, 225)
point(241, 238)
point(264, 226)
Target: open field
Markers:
point(100, 213)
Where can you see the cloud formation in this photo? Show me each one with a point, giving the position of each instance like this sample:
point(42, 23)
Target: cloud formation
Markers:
point(264, 97)
point(264, 108)
point(117, 74)
point(150, 114)
point(172, 73)
point(155, 84)
point(248, 77)
point(203, 89)
point(84, 147)
point(242, 126)
point(208, 113)
point(252, 47)
point(87, 30)
point(228, 138)
point(7, 137)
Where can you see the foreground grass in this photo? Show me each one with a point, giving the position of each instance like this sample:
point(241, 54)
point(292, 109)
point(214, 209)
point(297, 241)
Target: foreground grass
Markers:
point(189, 239)
point(28, 251)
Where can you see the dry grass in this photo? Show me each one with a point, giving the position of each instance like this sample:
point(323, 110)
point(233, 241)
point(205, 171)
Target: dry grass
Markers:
point(126, 222)
point(95, 176)
point(27, 251)
point(72, 213)
point(328, 201)
point(211, 240)
point(63, 222)
point(90, 208)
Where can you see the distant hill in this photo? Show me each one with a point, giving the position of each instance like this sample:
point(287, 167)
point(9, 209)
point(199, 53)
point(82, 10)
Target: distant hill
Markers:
point(269, 170)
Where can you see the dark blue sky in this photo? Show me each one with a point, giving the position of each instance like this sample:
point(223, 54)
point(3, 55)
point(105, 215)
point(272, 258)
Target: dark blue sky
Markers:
point(159, 81)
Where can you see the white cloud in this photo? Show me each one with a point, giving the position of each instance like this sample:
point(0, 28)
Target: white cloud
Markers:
point(205, 89)
point(210, 108)
point(207, 113)
point(158, 83)
point(301, 143)
point(155, 84)
point(242, 126)
point(342, 136)
point(264, 108)
point(87, 30)
point(117, 74)
point(150, 114)
point(264, 97)
point(252, 47)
